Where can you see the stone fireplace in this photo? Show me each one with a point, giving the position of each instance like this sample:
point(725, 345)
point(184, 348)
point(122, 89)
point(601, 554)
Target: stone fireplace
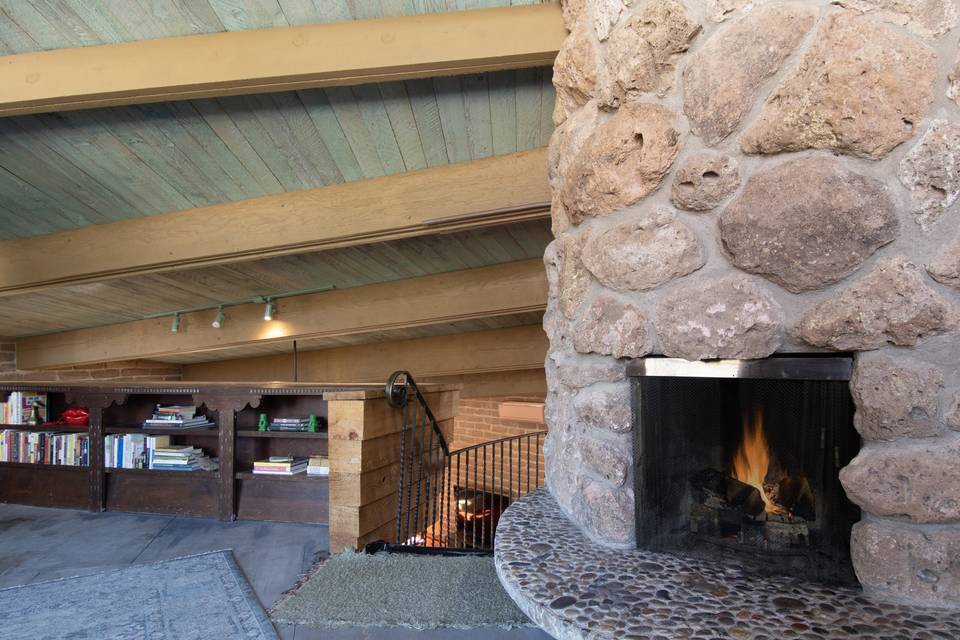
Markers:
point(739, 460)
point(744, 180)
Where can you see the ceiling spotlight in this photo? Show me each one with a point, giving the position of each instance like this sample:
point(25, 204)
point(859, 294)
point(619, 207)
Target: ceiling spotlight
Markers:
point(218, 321)
point(175, 326)
point(268, 312)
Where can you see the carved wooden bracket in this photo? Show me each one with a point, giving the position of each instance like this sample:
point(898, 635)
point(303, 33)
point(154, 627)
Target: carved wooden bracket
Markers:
point(218, 402)
point(95, 400)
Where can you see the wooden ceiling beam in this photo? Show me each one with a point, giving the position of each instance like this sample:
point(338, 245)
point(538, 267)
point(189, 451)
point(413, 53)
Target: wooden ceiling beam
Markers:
point(442, 199)
point(281, 59)
point(505, 289)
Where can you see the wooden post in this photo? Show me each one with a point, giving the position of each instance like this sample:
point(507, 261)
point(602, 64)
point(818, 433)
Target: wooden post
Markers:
point(96, 403)
point(364, 461)
point(227, 406)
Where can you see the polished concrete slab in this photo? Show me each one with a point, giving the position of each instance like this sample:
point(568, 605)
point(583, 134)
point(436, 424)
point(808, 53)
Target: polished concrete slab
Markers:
point(42, 544)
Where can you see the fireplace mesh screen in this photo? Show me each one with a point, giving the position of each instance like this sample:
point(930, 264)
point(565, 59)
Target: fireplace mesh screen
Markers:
point(746, 470)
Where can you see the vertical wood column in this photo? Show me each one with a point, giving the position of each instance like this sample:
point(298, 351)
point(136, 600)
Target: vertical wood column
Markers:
point(96, 403)
point(226, 406)
point(228, 485)
point(364, 450)
point(97, 470)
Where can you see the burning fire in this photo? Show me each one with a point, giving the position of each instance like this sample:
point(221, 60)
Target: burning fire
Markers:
point(752, 459)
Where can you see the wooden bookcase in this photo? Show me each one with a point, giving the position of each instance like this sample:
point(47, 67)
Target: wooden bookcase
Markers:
point(357, 499)
point(231, 492)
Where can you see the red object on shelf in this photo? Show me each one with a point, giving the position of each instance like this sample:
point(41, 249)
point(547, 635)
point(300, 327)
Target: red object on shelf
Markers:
point(74, 416)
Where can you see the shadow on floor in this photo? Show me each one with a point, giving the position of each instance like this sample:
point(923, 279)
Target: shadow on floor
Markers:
point(39, 544)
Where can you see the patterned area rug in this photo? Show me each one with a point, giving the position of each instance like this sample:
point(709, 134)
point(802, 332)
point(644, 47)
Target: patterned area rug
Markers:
point(400, 590)
point(201, 597)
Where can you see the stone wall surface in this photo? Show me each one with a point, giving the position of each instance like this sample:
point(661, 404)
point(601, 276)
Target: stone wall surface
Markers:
point(733, 179)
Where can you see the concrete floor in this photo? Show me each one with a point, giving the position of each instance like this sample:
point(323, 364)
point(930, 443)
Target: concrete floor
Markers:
point(39, 544)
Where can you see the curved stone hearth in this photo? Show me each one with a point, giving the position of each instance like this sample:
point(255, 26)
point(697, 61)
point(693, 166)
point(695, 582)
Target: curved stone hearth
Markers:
point(577, 589)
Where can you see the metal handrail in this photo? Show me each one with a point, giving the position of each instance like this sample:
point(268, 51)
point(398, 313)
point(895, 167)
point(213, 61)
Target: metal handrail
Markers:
point(432, 478)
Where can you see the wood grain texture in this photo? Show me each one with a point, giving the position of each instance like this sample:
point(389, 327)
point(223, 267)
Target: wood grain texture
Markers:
point(256, 59)
point(511, 288)
point(66, 171)
point(492, 351)
point(125, 299)
point(355, 213)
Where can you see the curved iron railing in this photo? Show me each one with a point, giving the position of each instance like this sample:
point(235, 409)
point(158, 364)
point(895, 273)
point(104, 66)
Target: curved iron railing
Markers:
point(423, 449)
point(453, 499)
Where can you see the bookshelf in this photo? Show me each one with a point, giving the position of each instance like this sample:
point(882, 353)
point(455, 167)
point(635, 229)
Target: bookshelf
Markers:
point(232, 492)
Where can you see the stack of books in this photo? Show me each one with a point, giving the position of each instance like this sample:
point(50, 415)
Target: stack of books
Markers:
point(318, 466)
point(289, 424)
point(131, 450)
point(177, 417)
point(181, 458)
point(280, 466)
point(45, 447)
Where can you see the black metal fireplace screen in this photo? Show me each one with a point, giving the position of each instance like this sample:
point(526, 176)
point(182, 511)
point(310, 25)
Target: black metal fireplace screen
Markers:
point(739, 460)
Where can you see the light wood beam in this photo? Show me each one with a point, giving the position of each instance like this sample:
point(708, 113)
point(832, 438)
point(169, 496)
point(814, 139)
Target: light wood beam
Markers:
point(491, 351)
point(506, 289)
point(509, 188)
point(281, 59)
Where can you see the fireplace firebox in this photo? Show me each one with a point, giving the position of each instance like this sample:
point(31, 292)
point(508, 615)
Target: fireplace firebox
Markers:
point(739, 461)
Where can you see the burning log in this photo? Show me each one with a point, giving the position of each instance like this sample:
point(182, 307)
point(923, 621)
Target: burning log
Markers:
point(718, 490)
point(794, 493)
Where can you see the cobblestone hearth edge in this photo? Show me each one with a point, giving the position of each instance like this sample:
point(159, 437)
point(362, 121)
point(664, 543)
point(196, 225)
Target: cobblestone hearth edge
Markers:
point(576, 589)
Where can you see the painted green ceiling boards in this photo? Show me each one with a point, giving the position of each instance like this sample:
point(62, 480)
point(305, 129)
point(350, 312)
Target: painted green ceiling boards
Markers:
point(65, 170)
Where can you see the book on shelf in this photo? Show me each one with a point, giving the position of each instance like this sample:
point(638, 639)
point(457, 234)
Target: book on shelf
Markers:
point(18, 409)
point(131, 450)
point(181, 458)
point(280, 466)
point(289, 424)
point(318, 466)
point(177, 417)
point(45, 447)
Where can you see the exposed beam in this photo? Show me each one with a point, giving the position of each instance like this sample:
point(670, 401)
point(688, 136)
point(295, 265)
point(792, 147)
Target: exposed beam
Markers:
point(491, 351)
point(511, 288)
point(285, 58)
point(441, 199)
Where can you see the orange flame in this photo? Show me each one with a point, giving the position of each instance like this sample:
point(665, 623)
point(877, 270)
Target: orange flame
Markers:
point(752, 459)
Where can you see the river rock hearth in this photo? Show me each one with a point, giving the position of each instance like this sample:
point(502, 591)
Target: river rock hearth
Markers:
point(578, 590)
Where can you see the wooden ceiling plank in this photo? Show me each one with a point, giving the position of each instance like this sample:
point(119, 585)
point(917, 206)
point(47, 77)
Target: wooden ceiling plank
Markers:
point(325, 120)
point(375, 119)
point(32, 161)
point(347, 110)
point(512, 288)
point(503, 111)
point(529, 99)
point(426, 113)
point(452, 118)
point(342, 215)
point(266, 60)
point(225, 128)
point(476, 113)
point(403, 125)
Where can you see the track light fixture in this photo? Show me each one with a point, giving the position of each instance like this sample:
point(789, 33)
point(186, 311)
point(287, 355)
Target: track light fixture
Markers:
point(269, 312)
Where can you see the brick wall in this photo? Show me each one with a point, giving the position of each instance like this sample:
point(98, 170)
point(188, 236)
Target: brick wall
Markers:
point(478, 420)
point(510, 470)
point(134, 370)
